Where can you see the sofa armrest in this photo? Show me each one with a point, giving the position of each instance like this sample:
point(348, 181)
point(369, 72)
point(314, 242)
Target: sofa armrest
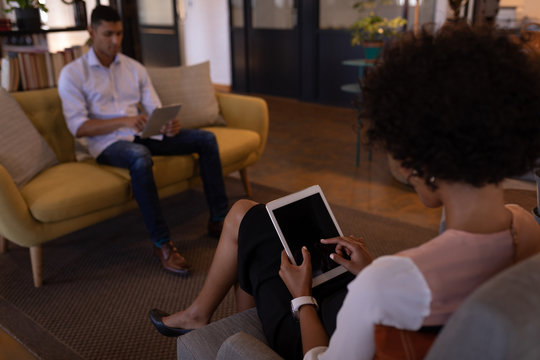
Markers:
point(16, 221)
point(204, 343)
point(245, 112)
point(242, 346)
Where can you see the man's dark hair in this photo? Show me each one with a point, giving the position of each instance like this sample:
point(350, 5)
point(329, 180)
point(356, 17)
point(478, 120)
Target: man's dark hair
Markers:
point(462, 105)
point(103, 13)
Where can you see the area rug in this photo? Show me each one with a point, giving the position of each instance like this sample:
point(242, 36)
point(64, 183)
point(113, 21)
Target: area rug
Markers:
point(100, 282)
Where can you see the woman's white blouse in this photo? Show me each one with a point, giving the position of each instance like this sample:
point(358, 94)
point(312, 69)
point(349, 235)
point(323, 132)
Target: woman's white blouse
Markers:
point(390, 291)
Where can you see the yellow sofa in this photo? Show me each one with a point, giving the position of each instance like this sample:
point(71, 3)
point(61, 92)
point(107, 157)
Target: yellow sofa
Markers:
point(72, 195)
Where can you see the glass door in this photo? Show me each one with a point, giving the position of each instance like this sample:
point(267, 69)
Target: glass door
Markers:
point(159, 32)
point(273, 47)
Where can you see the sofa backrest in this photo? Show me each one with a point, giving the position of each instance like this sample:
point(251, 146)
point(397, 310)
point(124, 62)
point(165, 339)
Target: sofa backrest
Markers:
point(44, 109)
point(499, 321)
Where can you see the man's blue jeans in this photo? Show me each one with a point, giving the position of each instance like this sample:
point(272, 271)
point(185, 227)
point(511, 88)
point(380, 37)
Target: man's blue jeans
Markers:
point(137, 157)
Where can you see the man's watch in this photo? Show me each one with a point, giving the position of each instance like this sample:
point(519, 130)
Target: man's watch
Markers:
point(298, 302)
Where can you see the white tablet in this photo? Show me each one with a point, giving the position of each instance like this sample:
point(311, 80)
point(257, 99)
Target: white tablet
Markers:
point(303, 219)
point(160, 116)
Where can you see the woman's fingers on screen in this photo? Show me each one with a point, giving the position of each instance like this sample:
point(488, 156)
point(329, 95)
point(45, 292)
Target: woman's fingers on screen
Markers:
point(339, 259)
point(342, 244)
point(339, 241)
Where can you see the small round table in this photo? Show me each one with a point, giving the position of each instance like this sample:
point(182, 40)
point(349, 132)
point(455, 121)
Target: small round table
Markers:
point(355, 89)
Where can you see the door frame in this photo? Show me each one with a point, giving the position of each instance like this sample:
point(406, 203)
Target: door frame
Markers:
point(307, 23)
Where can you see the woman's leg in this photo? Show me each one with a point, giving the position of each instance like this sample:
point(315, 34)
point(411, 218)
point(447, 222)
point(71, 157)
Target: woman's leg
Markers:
point(222, 275)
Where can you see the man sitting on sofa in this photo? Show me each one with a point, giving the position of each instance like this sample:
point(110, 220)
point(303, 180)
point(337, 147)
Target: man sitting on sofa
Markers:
point(100, 92)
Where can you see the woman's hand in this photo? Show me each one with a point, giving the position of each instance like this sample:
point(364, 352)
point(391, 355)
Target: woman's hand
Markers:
point(171, 128)
point(297, 278)
point(298, 281)
point(354, 249)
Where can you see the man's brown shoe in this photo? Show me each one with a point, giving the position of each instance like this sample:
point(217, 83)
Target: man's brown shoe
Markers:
point(171, 259)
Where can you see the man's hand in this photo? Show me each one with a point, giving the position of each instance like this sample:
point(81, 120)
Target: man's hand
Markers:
point(171, 128)
point(353, 248)
point(95, 127)
point(298, 279)
point(135, 122)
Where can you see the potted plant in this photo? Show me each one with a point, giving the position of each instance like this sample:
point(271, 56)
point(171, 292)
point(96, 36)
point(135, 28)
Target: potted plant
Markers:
point(372, 30)
point(27, 13)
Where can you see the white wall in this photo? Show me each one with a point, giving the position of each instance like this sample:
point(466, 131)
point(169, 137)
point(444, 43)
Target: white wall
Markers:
point(524, 8)
point(205, 26)
point(61, 15)
point(207, 37)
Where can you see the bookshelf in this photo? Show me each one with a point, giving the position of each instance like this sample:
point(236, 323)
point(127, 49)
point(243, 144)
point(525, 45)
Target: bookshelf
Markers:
point(44, 29)
point(27, 63)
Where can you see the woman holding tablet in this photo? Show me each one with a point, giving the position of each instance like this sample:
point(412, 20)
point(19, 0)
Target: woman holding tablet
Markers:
point(460, 111)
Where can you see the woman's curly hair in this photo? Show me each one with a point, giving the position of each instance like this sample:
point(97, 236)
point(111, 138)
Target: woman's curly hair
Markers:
point(462, 105)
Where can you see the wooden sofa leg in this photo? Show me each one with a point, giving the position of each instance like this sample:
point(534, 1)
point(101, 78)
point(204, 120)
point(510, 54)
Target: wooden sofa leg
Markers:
point(36, 257)
point(3, 244)
point(245, 181)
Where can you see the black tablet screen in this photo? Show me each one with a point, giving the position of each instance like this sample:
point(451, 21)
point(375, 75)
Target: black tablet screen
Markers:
point(304, 223)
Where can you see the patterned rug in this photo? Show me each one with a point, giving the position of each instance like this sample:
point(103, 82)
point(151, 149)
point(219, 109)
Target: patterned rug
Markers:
point(100, 282)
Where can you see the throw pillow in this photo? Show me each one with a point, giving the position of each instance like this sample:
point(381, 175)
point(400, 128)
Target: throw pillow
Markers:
point(23, 152)
point(190, 86)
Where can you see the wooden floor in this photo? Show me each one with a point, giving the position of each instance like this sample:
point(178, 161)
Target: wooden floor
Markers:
point(10, 349)
point(313, 144)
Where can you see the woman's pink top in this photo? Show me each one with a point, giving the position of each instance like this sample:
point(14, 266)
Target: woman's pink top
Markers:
point(455, 263)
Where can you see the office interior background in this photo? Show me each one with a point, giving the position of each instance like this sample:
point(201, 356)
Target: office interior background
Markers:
point(290, 48)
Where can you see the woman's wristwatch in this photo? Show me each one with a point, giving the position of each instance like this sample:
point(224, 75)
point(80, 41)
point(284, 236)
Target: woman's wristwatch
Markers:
point(298, 302)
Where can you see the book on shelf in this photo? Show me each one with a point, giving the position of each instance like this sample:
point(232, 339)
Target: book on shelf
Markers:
point(36, 68)
point(23, 85)
point(49, 70)
point(24, 42)
point(57, 64)
point(10, 74)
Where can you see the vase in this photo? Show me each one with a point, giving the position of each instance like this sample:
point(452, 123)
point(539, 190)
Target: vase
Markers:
point(28, 19)
point(372, 49)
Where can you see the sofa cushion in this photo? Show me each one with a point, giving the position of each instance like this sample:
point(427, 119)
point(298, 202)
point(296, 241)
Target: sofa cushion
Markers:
point(235, 145)
point(205, 342)
point(167, 169)
point(23, 152)
point(44, 109)
point(172, 169)
point(73, 189)
point(242, 346)
point(190, 86)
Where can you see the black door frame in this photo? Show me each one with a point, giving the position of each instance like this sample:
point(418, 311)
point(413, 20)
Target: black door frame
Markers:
point(131, 43)
point(161, 43)
point(308, 18)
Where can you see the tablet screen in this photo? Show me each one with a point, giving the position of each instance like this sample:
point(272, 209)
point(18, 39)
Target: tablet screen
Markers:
point(303, 219)
point(159, 117)
point(304, 223)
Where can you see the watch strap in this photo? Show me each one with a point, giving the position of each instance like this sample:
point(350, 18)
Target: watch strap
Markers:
point(298, 302)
